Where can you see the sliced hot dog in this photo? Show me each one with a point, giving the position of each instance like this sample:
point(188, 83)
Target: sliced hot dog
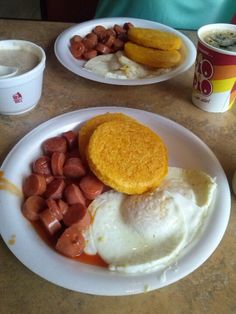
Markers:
point(77, 213)
point(100, 31)
point(42, 165)
point(91, 186)
point(73, 195)
point(33, 206)
point(74, 168)
point(118, 29)
point(34, 184)
point(50, 222)
point(71, 138)
point(77, 49)
point(90, 41)
point(55, 189)
point(49, 178)
point(103, 49)
point(63, 206)
point(57, 163)
point(110, 32)
point(127, 26)
point(118, 44)
point(71, 243)
point(73, 153)
point(110, 41)
point(89, 54)
point(76, 38)
point(54, 208)
point(55, 144)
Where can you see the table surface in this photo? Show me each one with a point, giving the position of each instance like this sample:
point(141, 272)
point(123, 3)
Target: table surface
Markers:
point(209, 289)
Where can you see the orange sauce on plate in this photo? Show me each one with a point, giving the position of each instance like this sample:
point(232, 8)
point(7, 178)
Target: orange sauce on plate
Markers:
point(51, 241)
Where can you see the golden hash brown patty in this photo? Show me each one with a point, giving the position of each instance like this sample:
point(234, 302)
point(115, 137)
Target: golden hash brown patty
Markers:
point(88, 128)
point(127, 156)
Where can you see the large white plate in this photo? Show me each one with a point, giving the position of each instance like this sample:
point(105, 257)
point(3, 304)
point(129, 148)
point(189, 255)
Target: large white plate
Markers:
point(185, 150)
point(64, 55)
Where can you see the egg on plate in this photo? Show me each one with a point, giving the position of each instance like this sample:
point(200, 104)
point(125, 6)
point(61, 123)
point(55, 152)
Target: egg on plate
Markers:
point(118, 66)
point(141, 233)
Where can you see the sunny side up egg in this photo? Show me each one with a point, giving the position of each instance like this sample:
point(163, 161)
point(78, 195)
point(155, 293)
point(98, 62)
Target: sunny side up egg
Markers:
point(141, 233)
point(118, 66)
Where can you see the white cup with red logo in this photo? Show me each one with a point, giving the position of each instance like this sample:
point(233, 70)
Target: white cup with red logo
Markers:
point(21, 92)
point(214, 83)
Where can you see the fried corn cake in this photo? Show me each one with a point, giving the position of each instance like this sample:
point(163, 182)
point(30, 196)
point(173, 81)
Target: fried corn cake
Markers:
point(88, 128)
point(127, 156)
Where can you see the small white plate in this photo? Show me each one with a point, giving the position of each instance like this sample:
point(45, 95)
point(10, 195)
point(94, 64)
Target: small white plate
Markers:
point(64, 55)
point(185, 149)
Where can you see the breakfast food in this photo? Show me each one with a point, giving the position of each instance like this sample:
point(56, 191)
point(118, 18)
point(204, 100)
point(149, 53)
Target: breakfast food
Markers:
point(58, 191)
point(154, 38)
point(118, 66)
point(127, 156)
point(99, 42)
point(152, 57)
point(127, 52)
point(89, 127)
point(70, 205)
point(150, 231)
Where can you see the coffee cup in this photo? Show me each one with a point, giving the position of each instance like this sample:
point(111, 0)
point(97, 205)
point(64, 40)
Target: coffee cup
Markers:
point(22, 91)
point(214, 83)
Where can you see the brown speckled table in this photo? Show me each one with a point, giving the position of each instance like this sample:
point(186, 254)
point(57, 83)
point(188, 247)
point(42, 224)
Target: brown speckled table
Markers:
point(209, 289)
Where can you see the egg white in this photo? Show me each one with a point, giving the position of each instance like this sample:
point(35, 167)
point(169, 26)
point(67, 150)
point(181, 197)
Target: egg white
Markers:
point(146, 232)
point(118, 66)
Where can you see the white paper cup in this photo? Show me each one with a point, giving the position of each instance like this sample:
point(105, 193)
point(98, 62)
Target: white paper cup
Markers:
point(214, 83)
point(21, 93)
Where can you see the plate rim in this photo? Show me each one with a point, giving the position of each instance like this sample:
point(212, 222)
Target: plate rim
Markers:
point(135, 289)
point(189, 45)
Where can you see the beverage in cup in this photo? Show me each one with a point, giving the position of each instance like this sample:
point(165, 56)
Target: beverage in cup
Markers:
point(214, 83)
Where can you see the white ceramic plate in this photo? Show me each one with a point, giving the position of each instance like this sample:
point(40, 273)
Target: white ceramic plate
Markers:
point(64, 55)
point(185, 150)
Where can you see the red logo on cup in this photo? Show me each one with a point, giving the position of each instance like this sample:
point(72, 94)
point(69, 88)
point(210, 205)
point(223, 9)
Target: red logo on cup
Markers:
point(203, 72)
point(17, 98)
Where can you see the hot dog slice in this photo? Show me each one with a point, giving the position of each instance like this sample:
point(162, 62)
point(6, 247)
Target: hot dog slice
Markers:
point(63, 206)
point(76, 38)
point(49, 178)
point(89, 54)
point(103, 49)
point(71, 243)
point(55, 189)
point(91, 187)
point(73, 195)
point(54, 208)
point(74, 168)
point(71, 139)
point(34, 184)
point(100, 31)
point(33, 206)
point(90, 41)
point(127, 26)
point(57, 163)
point(77, 49)
point(50, 222)
point(42, 165)
point(55, 144)
point(118, 44)
point(77, 214)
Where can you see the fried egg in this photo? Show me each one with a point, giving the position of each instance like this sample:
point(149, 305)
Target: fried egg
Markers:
point(141, 233)
point(118, 66)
